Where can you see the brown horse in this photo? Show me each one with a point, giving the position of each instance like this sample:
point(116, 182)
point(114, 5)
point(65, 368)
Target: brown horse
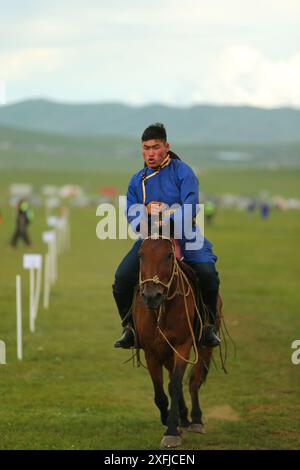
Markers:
point(164, 310)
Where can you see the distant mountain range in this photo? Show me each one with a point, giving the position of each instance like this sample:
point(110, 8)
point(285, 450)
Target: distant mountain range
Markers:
point(191, 125)
point(33, 150)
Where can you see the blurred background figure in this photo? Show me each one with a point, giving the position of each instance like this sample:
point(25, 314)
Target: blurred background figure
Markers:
point(210, 210)
point(264, 210)
point(251, 205)
point(23, 219)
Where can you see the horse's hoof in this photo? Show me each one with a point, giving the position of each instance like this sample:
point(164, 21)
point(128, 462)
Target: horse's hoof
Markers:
point(171, 441)
point(199, 428)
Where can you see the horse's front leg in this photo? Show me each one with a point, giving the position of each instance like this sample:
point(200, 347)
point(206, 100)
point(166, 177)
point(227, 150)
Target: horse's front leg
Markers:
point(160, 398)
point(182, 408)
point(197, 378)
point(172, 436)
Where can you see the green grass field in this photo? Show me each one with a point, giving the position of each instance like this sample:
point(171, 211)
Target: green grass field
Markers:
point(73, 391)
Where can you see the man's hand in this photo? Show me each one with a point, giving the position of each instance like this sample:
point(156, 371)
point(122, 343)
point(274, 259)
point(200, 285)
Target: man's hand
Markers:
point(144, 227)
point(156, 207)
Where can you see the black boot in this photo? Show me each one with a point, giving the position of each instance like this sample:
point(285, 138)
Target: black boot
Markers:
point(210, 338)
point(124, 302)
point(207, 295)
point(127, 339)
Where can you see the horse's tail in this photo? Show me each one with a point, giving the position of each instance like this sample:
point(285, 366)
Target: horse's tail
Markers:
point(224, 333)
point(205, 354)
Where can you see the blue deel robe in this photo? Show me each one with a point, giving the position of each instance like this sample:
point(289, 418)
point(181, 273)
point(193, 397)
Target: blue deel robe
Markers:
point(176, 183)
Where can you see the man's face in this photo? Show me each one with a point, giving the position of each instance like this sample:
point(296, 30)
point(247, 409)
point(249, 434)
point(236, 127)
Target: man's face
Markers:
point(154, 152)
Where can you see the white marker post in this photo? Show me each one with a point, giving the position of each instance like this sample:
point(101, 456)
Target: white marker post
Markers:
point(2, 353)
point(38, 289)
point(50, 239)
point(47, 280)
point(59, 234)
point(52, 222)
point(51, 203)
point(31, 301)
point(63, 234)
point(19, 318)
point(33, 262)
point(67, 233)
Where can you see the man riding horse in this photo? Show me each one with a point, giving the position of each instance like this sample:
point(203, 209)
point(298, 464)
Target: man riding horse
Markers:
point(165, 179)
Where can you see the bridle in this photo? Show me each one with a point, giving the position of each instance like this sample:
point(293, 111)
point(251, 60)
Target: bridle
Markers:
point(155, 279)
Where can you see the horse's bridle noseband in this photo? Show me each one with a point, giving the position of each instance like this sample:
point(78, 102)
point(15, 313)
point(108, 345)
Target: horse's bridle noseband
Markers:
point(155, 279)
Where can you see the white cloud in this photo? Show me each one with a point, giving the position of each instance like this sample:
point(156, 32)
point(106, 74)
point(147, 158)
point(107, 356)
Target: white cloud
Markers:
point(172, 51)
point(28, 63)
point(247, 76)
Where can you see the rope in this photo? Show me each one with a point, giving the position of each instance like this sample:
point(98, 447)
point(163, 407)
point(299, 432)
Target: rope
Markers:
point(177, 271)
point(229, 336)
point(165, 163)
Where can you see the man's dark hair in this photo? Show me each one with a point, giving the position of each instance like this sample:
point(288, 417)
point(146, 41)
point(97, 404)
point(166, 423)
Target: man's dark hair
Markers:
point(156, 131)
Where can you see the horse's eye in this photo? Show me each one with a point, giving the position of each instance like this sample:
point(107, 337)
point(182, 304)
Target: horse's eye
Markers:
point(170, 255)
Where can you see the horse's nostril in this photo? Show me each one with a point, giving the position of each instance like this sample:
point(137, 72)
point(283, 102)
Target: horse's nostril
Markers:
point(153, 299)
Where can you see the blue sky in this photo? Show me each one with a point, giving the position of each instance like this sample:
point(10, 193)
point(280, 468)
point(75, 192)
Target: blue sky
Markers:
point(169, 51)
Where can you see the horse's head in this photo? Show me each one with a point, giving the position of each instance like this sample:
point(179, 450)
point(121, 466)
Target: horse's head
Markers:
point(157, 257)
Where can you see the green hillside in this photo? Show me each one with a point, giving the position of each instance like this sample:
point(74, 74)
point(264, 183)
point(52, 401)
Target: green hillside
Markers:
point(195, 124)
point(20, 149)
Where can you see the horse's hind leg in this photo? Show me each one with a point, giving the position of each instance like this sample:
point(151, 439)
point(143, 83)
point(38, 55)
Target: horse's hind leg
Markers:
point(183, 411)
point(198, 377)
point(160, 398)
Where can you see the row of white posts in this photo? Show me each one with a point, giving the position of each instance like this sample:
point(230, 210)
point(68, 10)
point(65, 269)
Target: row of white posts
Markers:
point(57, 240)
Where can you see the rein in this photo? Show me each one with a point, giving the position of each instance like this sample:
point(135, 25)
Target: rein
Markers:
point(183, 288)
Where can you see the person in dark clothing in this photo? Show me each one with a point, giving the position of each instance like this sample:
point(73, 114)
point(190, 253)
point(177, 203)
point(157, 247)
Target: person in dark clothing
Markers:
point(24, 217)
